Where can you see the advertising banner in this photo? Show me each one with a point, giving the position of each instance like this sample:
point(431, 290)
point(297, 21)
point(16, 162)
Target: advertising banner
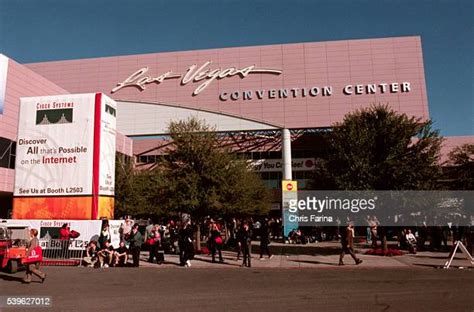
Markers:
point(114, 229)
point(65, 157)
point(55, 146)
point(89, 230)
point(107, 147)
point(49, 231)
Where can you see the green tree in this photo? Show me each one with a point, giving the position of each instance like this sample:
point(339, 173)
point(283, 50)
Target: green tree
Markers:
point(137, 192)
point(244, 192)
point(379, 149)
point(123, 185)
point(205, 179)
point(462, 161)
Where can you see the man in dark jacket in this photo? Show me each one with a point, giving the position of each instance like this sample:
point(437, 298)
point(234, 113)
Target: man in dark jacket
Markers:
point(265, 240)
point(185, 242)
point(347, 244)
point(244, 237)
point(136, 242)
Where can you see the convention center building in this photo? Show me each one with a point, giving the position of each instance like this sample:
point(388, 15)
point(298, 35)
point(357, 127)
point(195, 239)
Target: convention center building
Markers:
point(271, 102)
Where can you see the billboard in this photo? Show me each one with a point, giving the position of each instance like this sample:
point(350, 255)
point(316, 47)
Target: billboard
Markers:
point(65, 157)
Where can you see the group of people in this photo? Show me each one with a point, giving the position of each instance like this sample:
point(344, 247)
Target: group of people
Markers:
point(175, 237)
point(240, 235)
point(102, 254)
point(178, 236)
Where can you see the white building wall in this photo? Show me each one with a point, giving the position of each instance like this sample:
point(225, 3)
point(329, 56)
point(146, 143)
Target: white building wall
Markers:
point(151, 119)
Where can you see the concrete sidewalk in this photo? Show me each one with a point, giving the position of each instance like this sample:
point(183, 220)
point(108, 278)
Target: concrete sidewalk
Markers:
point(320, 255)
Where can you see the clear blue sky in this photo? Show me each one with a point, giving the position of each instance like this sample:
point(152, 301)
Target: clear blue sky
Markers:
point(42, 30)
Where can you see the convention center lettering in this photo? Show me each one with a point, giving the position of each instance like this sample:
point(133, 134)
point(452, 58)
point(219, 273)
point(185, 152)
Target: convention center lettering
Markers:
point(194, 74)
point(205, 75)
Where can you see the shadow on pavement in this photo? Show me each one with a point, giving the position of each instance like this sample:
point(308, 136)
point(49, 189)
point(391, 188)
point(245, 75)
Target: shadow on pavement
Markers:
point(8, 277)
point(435, 257)
point(315, 262)
point(216, 263)
point(290, 249)
point(434, 266)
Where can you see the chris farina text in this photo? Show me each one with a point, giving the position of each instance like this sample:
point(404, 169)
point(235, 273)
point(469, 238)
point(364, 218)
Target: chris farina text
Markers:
point(319, 205)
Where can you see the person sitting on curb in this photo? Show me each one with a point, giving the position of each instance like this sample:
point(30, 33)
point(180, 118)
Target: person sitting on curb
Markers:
point(106, 255)
point(347, 244)
point(90, 260)
point(121, 255)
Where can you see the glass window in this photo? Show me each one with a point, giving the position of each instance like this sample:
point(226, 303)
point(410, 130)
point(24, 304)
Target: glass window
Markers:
point(274, 155)
point(7, 153)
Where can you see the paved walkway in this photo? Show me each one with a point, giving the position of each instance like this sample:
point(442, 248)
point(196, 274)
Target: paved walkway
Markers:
point(320, 255)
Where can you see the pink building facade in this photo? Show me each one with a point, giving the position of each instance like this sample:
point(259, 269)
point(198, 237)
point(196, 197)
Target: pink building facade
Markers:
point(285, 88)
point(305, 85)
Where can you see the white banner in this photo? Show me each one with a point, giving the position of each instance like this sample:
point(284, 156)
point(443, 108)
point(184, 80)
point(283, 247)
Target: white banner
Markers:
point(49, 231)
point(114, 228)
point(54, 154)
point(107, 146)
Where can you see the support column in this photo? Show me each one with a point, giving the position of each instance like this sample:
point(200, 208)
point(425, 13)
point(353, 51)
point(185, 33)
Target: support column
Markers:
point(286, 154)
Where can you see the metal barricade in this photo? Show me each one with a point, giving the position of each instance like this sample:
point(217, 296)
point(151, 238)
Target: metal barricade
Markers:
point(63, 252)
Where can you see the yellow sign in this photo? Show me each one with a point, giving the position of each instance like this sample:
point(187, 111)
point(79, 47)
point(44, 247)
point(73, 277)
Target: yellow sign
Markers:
point(289, 186)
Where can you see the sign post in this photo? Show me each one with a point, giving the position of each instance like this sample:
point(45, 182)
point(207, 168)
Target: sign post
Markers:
point(289, 192)
point(463, 248)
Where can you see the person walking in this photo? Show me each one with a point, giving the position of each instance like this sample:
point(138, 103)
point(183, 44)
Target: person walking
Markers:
point(159, 246)
point(152, 235)
point(33, 267)
point(185, 243)
point(215, 243)
point(244, 237)
point(265, 240)
point(136, 242)
point(347, 244)
point(374, 223)
point(238, 244)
